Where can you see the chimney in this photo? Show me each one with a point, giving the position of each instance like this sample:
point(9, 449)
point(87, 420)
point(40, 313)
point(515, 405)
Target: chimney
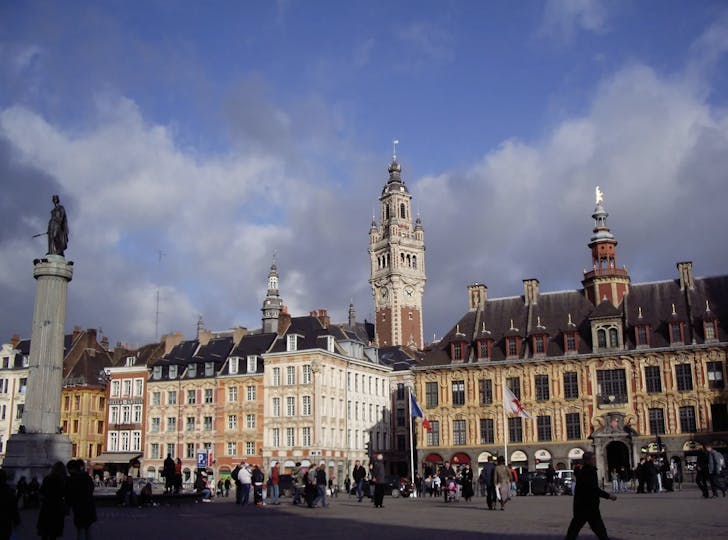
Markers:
point(687, 280)
point(324, 318)
point(530, 291)
point(477, 295)
point(284, 321)
point(14, 340)
point(171, 341)
point(105, 343)
point(204, 336)
point(239, 332)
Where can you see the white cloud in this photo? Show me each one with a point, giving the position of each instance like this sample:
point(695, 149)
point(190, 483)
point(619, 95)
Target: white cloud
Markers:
point(564, 18)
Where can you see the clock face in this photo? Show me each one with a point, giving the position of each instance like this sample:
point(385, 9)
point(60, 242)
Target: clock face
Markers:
point(409, 291)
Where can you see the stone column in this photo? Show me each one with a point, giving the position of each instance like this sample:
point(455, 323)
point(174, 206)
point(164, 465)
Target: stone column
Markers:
point(39, 444)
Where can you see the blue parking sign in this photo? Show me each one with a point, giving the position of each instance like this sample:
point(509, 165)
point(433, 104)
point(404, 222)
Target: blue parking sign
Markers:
point(202, 459)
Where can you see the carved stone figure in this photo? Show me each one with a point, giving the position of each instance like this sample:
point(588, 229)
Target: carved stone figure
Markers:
point(57, 229)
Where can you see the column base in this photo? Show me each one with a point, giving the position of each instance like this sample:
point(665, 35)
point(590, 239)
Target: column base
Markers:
point(33, 454)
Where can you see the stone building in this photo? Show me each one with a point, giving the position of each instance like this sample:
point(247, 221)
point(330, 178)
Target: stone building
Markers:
point(14, 368)
point(622, 368)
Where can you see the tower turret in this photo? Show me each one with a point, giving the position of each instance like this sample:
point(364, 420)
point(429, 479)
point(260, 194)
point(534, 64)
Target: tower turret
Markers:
point(604, 280)
point(273, 303)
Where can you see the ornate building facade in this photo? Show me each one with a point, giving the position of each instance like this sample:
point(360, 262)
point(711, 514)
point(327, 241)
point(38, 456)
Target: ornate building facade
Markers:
point(620, 368)
point(397, 259)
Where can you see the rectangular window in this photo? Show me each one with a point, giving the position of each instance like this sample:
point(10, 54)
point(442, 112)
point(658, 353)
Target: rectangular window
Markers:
point(570, 342)
point(483, 351)
point(251, 393)
point(400, 391)
point(457, 351)
point(171, 424)
point(191, 397)
point(573, 426)
point(190, 450)
point(77, 402)
point(136, 441)
point(543, 428)
point(208, 423)
point(113, 441)
point(156, 423)
point(252, 366)
point(542, 388)
point(290, 437)
point(306, 436)
point(487, 432)
point(709, 327)
point(307, 406)
point(209, 369)
point(641, 335)
point(234, 363)
point(154, 450)
point(138, 387)
point(276, 406)
point(612, 386)
point(209, 395)
point(291, 343)
point(19, 409)
point(290, 406)
point(657, 421)
point(306, 378)
point(232, 394)
point(277, 375)
point(676, 332)
point(684, 377)
point(191, 371)
point(172, 372)
point(571, 385)
point(485, 391)
point(653, 380)
point(172, 450)
point(231, 449)
point(515, 429)
point(114, 414)
point(431, 399)
point(540, 342)
point(190, 424)
point(232, 422)
point(125, 414)
point(156, 398)
point(157, 372)
point(514, 383)
point(512, 346)
point(250, 421)
point(400, 417)
point(433, 436)
point(115, 388)
point(459, 432)
point(172, 397)
point(290, 375)
point(276, 437)
point(124, 441)
point(250, 448)
point(715, 376)
point(136, 414)
point(687, 419)
point(126, 388)
point(458, 392)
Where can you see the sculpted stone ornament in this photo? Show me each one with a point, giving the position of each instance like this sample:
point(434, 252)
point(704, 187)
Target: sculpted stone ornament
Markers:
point(57, 229)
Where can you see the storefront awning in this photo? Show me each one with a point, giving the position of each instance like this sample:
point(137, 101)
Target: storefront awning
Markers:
point(117, 457)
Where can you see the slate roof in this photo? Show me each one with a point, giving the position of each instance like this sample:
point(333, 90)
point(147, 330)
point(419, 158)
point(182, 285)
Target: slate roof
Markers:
point(254, 345)
point(656, 301)
point(399, 358)
point(311, 329)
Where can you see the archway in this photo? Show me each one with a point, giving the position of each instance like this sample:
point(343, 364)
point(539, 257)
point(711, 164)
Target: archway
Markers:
point(617, 457)
point(460, 458)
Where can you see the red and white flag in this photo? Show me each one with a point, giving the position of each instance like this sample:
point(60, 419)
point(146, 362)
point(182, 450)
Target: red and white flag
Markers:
point(512, 404)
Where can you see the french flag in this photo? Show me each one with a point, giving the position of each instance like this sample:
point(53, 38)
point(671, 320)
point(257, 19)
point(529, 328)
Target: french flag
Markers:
point(417, 412)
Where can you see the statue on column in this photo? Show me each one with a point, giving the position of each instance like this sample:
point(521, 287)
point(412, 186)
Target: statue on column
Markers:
point(57, 229)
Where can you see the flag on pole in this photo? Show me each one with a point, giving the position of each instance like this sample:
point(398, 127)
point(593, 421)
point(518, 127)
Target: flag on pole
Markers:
point(512, 405)
point(417, 412)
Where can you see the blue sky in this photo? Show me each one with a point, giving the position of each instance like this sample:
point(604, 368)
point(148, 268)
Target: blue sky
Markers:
point(218, 132)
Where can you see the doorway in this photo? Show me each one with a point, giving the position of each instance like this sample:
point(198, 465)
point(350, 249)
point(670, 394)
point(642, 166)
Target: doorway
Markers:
point(617, 457)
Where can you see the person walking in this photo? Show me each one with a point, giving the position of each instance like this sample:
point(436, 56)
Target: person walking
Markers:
point(9, 515)
point(466, 477)
point(503, 478)
point(379, 475)
point(586, 500)
point(80, 498)
point(359, 474)
point(488, 475)
point(52, 514)
point(321, 485)
point(274, 479)
point(716, 463)
point(168, 471)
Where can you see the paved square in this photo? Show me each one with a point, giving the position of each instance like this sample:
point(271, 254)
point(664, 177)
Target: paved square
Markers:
point(668, 515)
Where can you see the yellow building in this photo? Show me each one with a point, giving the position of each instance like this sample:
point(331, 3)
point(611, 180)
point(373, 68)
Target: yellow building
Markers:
point(620, 368)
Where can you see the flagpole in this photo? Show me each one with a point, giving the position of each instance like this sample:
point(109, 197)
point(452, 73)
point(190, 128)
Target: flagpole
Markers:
point(505, 421)
point(412, 446)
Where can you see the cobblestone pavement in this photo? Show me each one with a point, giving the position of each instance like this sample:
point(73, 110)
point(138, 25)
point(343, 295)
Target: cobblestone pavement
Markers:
point(667, 515)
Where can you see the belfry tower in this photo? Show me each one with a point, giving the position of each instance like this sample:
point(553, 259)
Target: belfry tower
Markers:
point(604, 280)
point(273, 303)
point(397, 257)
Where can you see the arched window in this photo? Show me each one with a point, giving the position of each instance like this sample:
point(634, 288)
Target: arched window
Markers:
point(402, 256)
point(414, 261)
point(602, 338)
point(386, 211)
point(613, 337)
point(402, 211)
point(409, 261)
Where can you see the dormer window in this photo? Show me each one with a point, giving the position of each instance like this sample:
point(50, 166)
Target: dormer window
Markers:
point(642, 335)
point(172, 372)
point(540, 344)
point(233, 365)
point(330, 343)
point(608, 336)
point(192, 371)
point(676, 333)
point(710, 330)
point(292, 342)
point(130, 360)
point(209, 369)
point(157, 372)
point(513, 346)
point(571, 343)
point(485, 348)
point(457, 352)
point(252, 363)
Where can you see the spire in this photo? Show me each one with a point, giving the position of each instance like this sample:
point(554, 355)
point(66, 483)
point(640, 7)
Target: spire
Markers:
point(200, 326)
point(352, 313)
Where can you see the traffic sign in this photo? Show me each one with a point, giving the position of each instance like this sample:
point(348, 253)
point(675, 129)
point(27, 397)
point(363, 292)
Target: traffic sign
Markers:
point(202, 459)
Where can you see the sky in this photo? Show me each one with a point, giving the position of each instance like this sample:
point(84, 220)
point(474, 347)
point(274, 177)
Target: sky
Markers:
point(191, 141)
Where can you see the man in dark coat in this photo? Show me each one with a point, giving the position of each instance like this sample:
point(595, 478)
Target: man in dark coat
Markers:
point(487, 475)
point(586, 500)
point(168, 470)
point(9, 515)
point(447, 473)
point(359, 474)
point(379, 474)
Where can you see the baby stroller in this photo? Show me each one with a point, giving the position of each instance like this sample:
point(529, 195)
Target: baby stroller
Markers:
point(451, 491)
